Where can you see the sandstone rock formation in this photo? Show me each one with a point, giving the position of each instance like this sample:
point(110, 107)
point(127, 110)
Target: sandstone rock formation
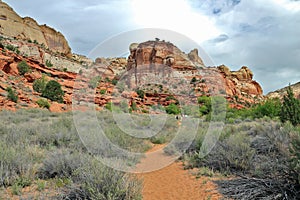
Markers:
point(165, 64)
point(163, 53)
point(12, 25)
point(159, 69)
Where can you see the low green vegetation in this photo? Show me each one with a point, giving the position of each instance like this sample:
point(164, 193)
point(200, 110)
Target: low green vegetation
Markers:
point(39, 85)
point(42, 150)
point(23, 67)
point(94, 82)
point(12, 94)
point(260, 145)
point(43, 103)
point(173, 109)
point(48, 63)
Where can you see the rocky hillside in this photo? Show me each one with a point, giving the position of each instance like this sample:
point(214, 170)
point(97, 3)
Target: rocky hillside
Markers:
point(281, 92)
point(155, 73)
point(158, 70)
point(12, 25)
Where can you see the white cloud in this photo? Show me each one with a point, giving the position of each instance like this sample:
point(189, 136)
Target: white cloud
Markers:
point(175, 15)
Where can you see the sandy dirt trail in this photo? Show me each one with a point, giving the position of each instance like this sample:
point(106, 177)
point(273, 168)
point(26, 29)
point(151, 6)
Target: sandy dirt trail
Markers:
point(172, 182)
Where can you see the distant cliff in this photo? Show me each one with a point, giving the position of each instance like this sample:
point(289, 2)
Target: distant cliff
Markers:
point(281, 92)
point(12, 25)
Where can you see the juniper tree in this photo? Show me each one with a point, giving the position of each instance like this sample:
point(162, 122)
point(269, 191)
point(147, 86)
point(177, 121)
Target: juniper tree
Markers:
point(290, 109)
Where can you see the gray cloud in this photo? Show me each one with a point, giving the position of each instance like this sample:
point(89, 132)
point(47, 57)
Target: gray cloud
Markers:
point(262, 36)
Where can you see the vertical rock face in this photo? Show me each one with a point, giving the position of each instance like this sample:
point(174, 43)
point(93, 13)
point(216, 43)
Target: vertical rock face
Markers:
point(12, 25)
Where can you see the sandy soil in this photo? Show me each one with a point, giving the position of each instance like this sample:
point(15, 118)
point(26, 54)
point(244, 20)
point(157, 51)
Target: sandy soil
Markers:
point(173, 182)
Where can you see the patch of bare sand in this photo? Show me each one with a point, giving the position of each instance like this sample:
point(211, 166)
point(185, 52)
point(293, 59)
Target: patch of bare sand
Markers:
point(172, 182)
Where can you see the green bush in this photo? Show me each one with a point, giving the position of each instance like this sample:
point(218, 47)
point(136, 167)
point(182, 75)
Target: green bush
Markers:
point(40, 84)
point(53, 91)
point(134, 106)
point(109, 106)
point(43, 103)
point(103, 91)
point(48, 63)
point(23, 67)
point(12, 94)
point(270, 108)
point(194, 80)
point(94, 82)
point(140, 93)
point(173, 109)
point(114, 82)
point(11, 47)
point(205, 105)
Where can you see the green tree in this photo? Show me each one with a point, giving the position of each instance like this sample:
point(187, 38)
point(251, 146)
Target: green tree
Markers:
point(23, 67)
point(53, 91)
point(290, 109)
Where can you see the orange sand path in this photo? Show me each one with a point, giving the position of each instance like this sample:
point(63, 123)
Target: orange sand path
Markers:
point(173, 182)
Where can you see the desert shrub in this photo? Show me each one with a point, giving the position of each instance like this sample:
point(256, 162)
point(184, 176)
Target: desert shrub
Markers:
point(205, 105)
point(114, 82)
point(193, 80)
point(109, 106)
point(134, 106)
point(231, 154)
point(95, 181)
point(48, 63)
point(173, 109)
point(94, 82)
point(290, 110)
point(270, 108)
point(158, 140)
point(61, 164)
point(14, 162)
point(295, 154)
point(192, 110)
point(103, 91)
point(23, 67)
point(140, 93)
point(40, 84)
point(43, 103)
point(12, 94)
point(11, 47)
point(53, 91)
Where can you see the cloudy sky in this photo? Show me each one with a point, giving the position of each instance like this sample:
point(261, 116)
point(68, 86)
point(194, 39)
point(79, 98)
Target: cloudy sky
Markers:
point(264, 35)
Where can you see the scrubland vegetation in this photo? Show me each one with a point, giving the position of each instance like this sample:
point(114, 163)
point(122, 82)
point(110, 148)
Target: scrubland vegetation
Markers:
point(258, 149)
point(42, 149)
